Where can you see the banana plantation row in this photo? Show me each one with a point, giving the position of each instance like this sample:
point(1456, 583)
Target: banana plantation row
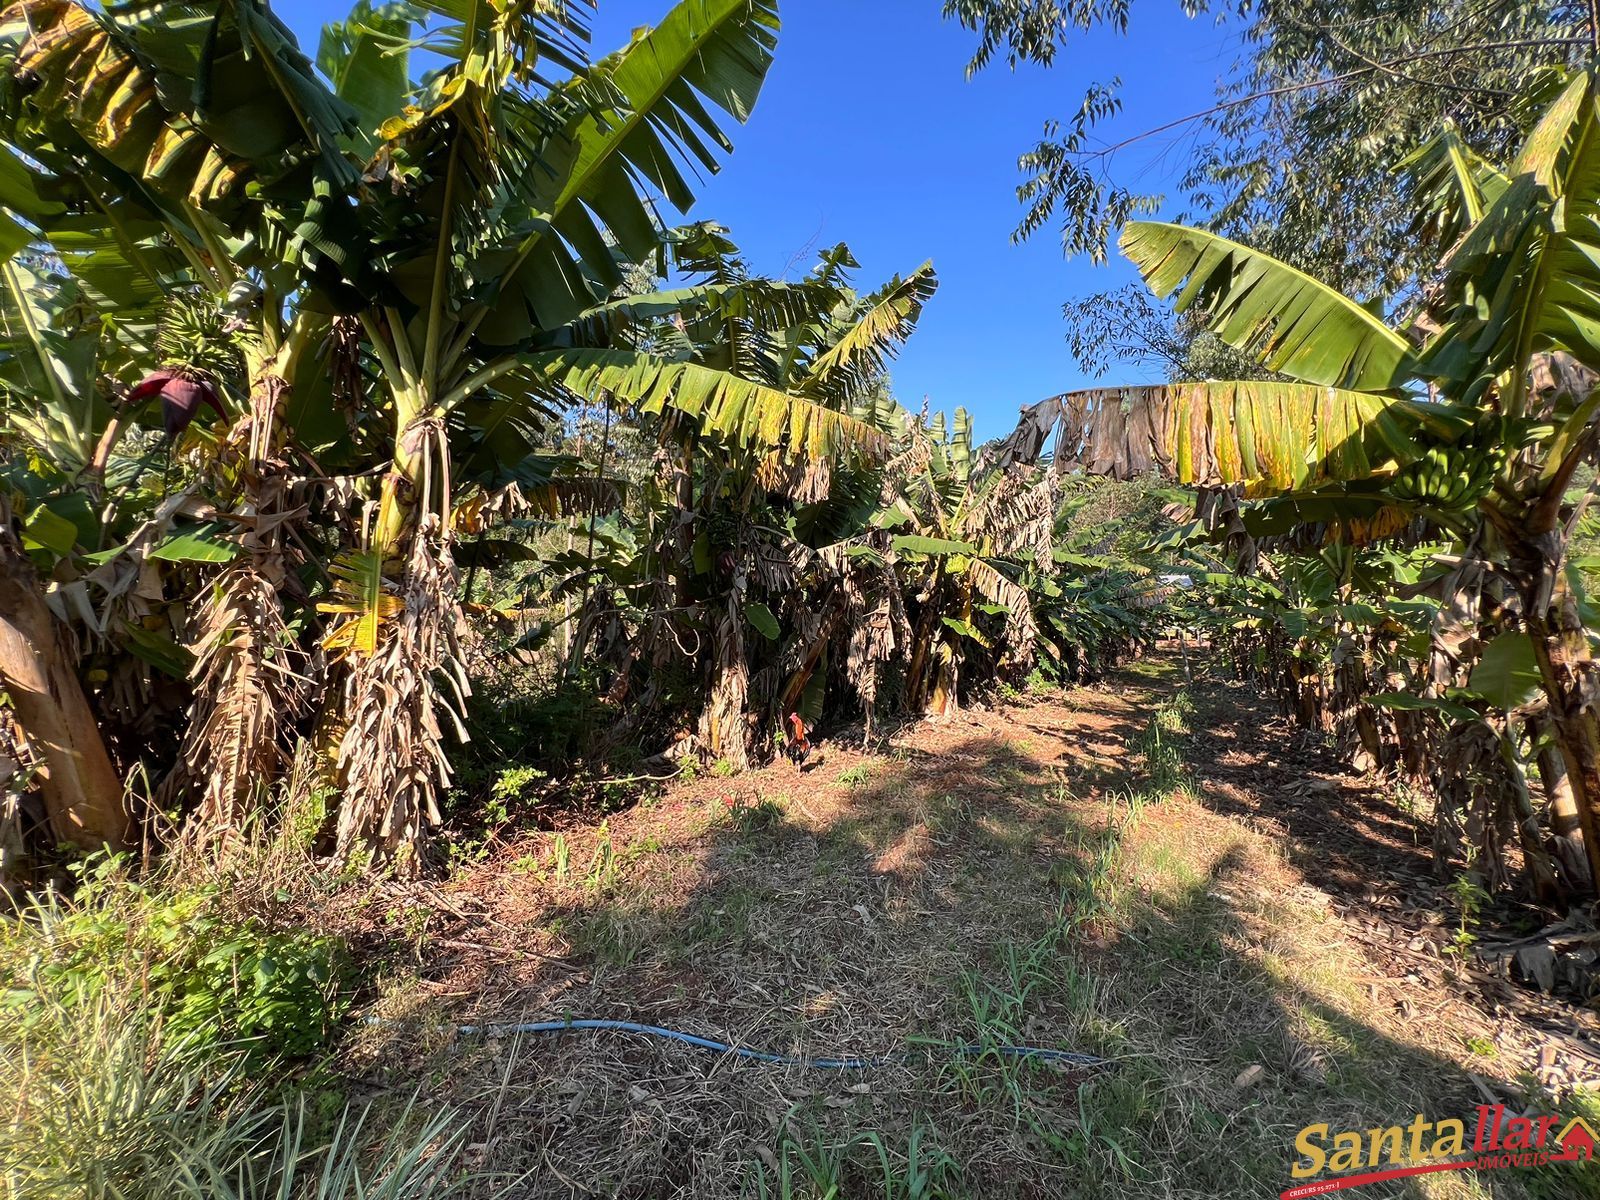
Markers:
point(334, 388)
point(291, 347)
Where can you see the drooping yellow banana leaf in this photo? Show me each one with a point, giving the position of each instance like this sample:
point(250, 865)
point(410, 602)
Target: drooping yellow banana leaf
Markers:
point(745, 412)
point(1272, 437)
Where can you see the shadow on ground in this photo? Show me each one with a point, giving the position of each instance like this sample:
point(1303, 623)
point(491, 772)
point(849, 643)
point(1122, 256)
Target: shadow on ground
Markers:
point(993, 881)
point(1346, 837)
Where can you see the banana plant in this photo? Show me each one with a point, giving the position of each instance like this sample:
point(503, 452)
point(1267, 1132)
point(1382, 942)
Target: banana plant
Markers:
point(1092, 612)
point(1474, 420)
point(92, 288)
point(164, 239)
point(741, 550)
point(472, 223)
point(964, 533)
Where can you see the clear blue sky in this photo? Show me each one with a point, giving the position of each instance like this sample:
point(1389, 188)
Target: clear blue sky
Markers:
point(869, 133)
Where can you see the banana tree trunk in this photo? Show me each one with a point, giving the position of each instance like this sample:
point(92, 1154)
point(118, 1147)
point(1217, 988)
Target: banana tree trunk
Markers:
point(82, 794)
point(924, 644)
point(1570, 676)
point(1566, 826)
point(945, 699)
point(942, 703)
point(398, 507)
point(1537, 861)
point(812, 657)
point(400, 696)
point(723, 726)
point(251, 679)
point(1562, 663)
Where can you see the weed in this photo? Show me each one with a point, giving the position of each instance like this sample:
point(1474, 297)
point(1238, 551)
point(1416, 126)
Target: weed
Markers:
point(640, 849)
point(412, 922)
point(605, 869)
point(729, 921)
point(1161, 747)
point(210, 974)
point(1108, 1107)
point(143, 1028)
point(811, 1167)
point(1469, 898)
point(616, 936)
point(1562, 1182)
point(1411, 800)
point(306, 813)
point(615, 796)
point(1173, 714)
point(752, 816)
point(523, 720)
point(473, 845)
point(513, 784)
point(856, 775)
point(948, 814)
point(108, 1105)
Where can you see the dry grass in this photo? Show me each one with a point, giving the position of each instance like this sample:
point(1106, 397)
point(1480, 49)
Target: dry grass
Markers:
point(1045, 874)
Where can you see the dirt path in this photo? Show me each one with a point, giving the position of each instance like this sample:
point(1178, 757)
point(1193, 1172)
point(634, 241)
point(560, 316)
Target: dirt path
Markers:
point(1118, 870)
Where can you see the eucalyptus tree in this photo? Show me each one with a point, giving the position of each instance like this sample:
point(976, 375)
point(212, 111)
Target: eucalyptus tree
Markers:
point(1351, 85)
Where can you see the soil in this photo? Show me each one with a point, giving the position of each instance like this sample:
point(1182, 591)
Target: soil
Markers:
point(1255, 949)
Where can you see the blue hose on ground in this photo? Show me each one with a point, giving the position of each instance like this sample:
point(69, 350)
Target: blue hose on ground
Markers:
point(1041, 1053)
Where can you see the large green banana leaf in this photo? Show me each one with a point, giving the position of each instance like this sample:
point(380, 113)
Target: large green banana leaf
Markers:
point(610, 323)
point(365, 58)
point(1290, 321)
point(205, 118)
point(82, 304)
point(1526, 278)
point(47, 366)
point(491, 39)
point(1452, 187)
point(197, 101)
point(589, 192)
point(860, 350)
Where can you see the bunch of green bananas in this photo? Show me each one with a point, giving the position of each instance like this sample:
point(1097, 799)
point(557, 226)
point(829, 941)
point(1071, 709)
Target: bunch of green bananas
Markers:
point(1449, 476)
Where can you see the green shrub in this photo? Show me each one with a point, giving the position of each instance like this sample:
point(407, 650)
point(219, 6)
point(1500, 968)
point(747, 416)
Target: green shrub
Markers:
point(206, 973)
point(136, 1021)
